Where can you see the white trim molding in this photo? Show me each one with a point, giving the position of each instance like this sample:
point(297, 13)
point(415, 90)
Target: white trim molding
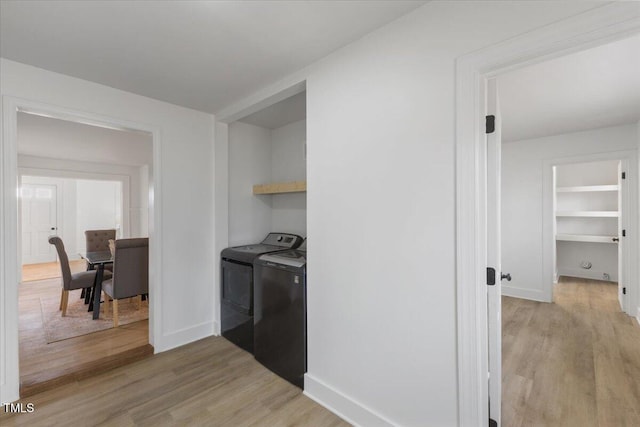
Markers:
point(597, 26)
point(184, 336)
point(9, 361)
point(530, 294)
point(342, 405)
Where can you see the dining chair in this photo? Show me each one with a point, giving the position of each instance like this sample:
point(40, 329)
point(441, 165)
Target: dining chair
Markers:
point(70, 281)
point(130, 273)
point(98, 241)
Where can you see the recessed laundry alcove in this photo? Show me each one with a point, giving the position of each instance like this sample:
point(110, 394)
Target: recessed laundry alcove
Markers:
point(267, 172)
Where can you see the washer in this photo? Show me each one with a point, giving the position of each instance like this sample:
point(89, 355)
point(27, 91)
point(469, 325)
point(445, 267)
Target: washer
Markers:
point(280, 319)
point(236, 307)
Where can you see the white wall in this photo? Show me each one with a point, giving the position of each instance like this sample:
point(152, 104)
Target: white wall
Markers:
point(259, 155)
point(181, 230)
point(135, 181)
point(249, 164)
point(139, 212)
point(288, 163)
point(381, 210)
point(99, 207)
point(84, 205)
point(522, 199)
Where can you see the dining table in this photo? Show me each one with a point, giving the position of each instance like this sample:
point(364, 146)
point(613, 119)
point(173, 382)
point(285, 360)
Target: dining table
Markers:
point(97, 261)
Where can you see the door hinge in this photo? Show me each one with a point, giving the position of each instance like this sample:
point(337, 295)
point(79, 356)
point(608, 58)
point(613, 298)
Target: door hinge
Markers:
point(490, 124)
point(624, 233)
point(491, 276)
point(624, 291)
point(624, 175)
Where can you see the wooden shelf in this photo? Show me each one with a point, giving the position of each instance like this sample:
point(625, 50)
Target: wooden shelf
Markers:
point(589, 214)
point(585, 238)
point(280, 187)
point(587, 188)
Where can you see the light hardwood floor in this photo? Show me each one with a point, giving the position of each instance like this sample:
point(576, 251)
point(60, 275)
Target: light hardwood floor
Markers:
point(49, 270)
point(207, 383)
point(44, 366)
point(572, 363)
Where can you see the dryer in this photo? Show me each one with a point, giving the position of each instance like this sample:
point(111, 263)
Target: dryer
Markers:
point(280, 316)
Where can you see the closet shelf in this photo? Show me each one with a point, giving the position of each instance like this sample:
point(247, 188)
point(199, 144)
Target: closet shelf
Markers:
point(589, 214)
point(280, 187)
point(585, 238)
point(587, 188)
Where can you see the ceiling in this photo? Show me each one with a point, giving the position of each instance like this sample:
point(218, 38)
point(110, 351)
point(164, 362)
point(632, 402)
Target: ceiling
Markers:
point(595, 88)
point(282, 113)
point(203, 55)
point(59, 139)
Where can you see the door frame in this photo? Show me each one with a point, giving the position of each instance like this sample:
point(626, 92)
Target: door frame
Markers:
point(629, 160)
point(9, 265)
point(594, 27)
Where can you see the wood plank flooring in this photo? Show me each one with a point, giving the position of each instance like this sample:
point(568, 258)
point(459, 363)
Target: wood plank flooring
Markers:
point(207, 383)
point(572, 363)
point(44, 366)
point(49, 270)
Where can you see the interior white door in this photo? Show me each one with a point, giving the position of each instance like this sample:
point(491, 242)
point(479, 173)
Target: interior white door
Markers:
point(622, 277)
point(494, 291)
point(39, 221)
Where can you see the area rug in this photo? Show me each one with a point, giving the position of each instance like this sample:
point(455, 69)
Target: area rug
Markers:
point(79, 321)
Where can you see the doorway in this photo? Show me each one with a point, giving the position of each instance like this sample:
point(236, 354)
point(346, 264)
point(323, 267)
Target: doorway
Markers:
point(591, 201)
point(564, 189)
point(101, 178)
point(64, 207)
point(593, 28)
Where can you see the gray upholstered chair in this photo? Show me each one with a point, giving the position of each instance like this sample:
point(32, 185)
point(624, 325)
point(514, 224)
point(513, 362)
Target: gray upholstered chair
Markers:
point(70, 281)
point(130, 273)
point(98, 241)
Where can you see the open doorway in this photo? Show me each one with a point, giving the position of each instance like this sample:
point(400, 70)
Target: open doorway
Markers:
point(590, 201)
point(568, 195)
point(64, 207)
point(76, 177)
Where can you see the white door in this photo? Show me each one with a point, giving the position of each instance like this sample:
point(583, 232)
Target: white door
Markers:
point(39, 207)
point(622, 276)
point(494, 291)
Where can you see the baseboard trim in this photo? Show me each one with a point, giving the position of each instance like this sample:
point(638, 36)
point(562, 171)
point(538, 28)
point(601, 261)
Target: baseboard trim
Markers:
point(185, 336)
point(583, 274)
point(530, 294)
point(343, 406)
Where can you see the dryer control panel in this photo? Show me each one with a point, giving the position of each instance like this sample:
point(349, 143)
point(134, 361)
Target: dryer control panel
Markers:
point(285, 240)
